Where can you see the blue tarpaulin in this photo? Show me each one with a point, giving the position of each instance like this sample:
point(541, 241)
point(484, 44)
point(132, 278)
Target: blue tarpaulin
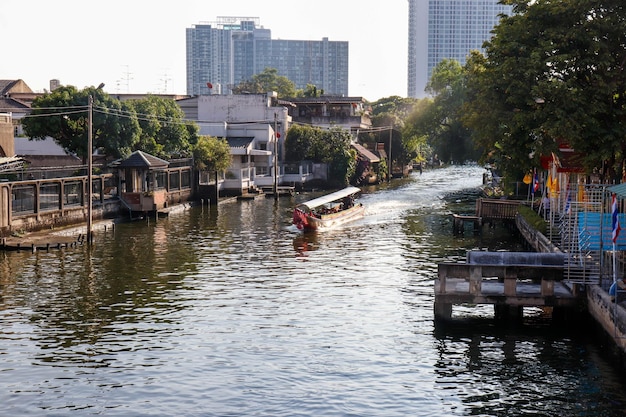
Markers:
point(590, 235)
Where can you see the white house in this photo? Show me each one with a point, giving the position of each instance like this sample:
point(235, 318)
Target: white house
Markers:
point(254, 126)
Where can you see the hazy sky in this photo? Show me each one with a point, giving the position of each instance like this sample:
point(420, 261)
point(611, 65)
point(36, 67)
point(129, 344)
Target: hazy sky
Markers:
point(138, 46)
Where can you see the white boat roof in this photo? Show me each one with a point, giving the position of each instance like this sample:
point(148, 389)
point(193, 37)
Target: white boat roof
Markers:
point(329, 198)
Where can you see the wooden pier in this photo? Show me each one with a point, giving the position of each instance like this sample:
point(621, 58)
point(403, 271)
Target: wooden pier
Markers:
point(487, 210)
point(507, 280)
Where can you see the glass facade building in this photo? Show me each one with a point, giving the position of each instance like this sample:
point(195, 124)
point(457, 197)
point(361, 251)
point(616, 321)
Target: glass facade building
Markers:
point(446, 29)
point(232, 50)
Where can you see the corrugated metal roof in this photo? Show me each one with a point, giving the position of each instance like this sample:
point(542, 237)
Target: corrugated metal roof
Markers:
point(365, 152)
point(619, 189)
point(10, 162)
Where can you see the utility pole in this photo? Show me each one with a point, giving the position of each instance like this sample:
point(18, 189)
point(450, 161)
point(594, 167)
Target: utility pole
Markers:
point(390, 160)
point(275, 156)
point(89, 167)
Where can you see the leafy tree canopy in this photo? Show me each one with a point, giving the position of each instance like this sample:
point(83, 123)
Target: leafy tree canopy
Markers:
point(62, 114)
point(553, 72)
point(267, 81)
point(329, 146)
point(310, 91)
point(211, 154)
point(164, 132)
point(154, 125)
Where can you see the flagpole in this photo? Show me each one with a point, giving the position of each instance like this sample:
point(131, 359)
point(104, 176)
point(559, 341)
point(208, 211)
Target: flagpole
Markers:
point(615, 233)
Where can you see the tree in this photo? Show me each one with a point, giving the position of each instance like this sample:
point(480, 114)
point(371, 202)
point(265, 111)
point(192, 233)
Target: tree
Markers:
point(339, 156)
point(211, 154)
point(164, 133)
point(552, 72)
point(448, 136)
point(300, 143)
point(267, 81)
point(389, 115)
point(328, 146)
point(62, 114)
point(310, 91)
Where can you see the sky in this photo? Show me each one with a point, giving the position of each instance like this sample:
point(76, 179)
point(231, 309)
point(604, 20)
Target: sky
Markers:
point(138, 46)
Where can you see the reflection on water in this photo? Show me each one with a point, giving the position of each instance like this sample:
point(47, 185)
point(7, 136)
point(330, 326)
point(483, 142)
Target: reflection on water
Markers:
point(235, 312)
point(305, 242)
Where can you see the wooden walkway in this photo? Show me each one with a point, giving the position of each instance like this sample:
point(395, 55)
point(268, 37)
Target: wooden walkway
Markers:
point(507, 280)
point(45, 240)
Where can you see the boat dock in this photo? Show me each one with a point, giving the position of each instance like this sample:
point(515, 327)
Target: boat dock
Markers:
point(281, 190)
point(487, 211)
point(507, 280)
point(45, 240)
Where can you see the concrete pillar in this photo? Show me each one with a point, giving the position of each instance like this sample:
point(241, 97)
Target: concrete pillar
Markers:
point(508, 313)
point(443, 311)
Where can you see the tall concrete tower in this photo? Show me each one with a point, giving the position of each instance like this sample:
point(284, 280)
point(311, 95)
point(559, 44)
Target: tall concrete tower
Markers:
point(446, 29)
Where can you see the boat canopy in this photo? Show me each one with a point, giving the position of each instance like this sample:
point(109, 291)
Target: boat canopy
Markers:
point(329, 198)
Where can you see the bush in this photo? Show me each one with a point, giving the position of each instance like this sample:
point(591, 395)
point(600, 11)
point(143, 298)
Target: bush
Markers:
point(533, 219)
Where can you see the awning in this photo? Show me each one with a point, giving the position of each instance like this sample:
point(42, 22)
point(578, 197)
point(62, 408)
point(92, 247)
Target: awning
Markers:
point(9, 163)
point(365, 153)
point(329, 198)
point(619, 190)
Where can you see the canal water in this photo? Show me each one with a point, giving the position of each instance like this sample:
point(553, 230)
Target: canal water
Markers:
point(234, 312)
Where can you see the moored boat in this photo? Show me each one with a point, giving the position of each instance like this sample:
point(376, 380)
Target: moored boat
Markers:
point(328, 211)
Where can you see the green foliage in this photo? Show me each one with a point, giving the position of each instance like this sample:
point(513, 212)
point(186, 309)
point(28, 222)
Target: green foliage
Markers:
point(300, 143)
point(211, 154)
point(164, 133)
point(532, 218)
point(392, 112)
point(329, 146)
point(440, 120)
point(310, 91)
point(339, 156)
point(267, 81)
point(154, 125)
point(62, 114)
point(552, 72)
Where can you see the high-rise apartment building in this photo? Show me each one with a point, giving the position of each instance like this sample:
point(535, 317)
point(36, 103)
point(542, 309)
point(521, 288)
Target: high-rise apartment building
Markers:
point(446, 29)
point(233, 49)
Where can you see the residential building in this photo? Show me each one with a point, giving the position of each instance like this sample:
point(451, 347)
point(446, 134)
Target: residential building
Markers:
point(446, 29)
point(254, 125)
point(222, 54)
point(350, 113)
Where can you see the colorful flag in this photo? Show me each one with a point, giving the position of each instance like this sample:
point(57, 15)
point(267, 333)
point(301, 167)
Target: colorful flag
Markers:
point(535, 182)
point(614, 211)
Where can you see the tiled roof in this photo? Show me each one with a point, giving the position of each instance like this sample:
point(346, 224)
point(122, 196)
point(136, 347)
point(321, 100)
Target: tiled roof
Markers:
point(5, 86)
point(8, 104)
point(13, 86)
point(240, 143)
point(139, 159)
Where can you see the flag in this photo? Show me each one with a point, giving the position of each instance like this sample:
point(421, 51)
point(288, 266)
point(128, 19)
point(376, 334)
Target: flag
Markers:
point(614, 211)
point(535, 182)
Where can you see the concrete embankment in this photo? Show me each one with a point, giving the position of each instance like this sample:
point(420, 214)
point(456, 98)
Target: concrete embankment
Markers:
point(609, 315)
